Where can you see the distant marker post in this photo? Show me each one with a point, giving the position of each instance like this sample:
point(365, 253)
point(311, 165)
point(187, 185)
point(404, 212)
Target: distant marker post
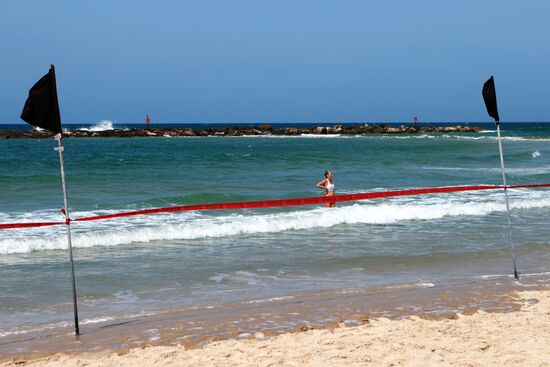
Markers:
point(490, 98)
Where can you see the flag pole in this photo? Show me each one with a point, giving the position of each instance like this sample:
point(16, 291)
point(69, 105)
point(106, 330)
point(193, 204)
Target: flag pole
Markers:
point(65, 209)
point(490, 99)
point(507, 201)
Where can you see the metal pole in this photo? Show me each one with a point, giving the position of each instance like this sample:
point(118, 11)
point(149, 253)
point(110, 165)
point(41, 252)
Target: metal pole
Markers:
point(507, 203)
point(68, 228)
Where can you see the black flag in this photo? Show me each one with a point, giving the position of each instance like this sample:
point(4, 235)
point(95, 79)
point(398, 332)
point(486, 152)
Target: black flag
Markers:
point(41, 108)
point(490, 98)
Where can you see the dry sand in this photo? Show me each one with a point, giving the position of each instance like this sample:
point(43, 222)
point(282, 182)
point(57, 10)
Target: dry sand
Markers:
point(519, 338)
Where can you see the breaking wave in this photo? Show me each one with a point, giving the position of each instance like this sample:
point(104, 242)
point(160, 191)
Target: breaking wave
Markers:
point(103, 125)
point(194, 225)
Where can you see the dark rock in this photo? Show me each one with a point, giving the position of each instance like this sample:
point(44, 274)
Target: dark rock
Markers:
point(186, 132)
point(291, 131)
point(336, 129)
point(264, 129)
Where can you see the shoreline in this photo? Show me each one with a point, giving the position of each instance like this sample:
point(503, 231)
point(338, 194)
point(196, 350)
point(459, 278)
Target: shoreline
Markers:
point(517, 338)
point(191, 330)
point(262, 130)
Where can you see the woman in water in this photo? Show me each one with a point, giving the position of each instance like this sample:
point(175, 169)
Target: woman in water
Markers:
point(328, 185)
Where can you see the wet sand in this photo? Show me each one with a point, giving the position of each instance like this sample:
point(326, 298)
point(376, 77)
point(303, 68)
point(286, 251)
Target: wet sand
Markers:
point(518, 338)
point(348, 317)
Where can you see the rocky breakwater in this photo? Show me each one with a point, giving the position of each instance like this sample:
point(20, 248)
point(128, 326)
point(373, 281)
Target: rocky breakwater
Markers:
point(264, 129)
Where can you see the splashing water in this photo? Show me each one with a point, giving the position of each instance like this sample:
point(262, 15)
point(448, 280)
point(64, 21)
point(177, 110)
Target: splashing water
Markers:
point(103, 125)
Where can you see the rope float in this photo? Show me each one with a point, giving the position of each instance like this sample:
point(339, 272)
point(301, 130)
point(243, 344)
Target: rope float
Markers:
point(276, 203)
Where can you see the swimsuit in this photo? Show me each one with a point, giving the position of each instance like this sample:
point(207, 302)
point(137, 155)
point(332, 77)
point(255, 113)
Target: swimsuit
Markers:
point(329, 186)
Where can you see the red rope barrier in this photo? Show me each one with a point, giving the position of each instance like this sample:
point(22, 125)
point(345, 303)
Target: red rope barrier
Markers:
point(28, 225)
point(279, 203)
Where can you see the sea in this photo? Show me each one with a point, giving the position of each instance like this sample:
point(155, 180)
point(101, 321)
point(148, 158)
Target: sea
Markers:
point(142, 266)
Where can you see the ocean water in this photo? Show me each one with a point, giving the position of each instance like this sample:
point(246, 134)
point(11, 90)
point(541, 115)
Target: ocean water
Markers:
point(144, 264)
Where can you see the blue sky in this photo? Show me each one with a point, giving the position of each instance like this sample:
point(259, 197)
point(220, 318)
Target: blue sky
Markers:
point(277, 61)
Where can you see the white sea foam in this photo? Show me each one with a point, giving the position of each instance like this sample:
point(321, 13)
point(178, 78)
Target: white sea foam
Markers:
point(103, 125)
point(494, 276)
point(389, 136)
point(301, 136)
point(491, 276)
point(193, 225)
point(322, 136)
point(272, 299)
point(418, 284)
point(536, 274)
point(515, 171)
point(455, 137)
point(421, 136)
point(97, 320)
point(508, 138)
point(26, 330)
point(535, 154)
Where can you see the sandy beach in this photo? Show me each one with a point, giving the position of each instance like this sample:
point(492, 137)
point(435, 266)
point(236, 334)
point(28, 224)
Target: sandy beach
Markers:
point(519, 338)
